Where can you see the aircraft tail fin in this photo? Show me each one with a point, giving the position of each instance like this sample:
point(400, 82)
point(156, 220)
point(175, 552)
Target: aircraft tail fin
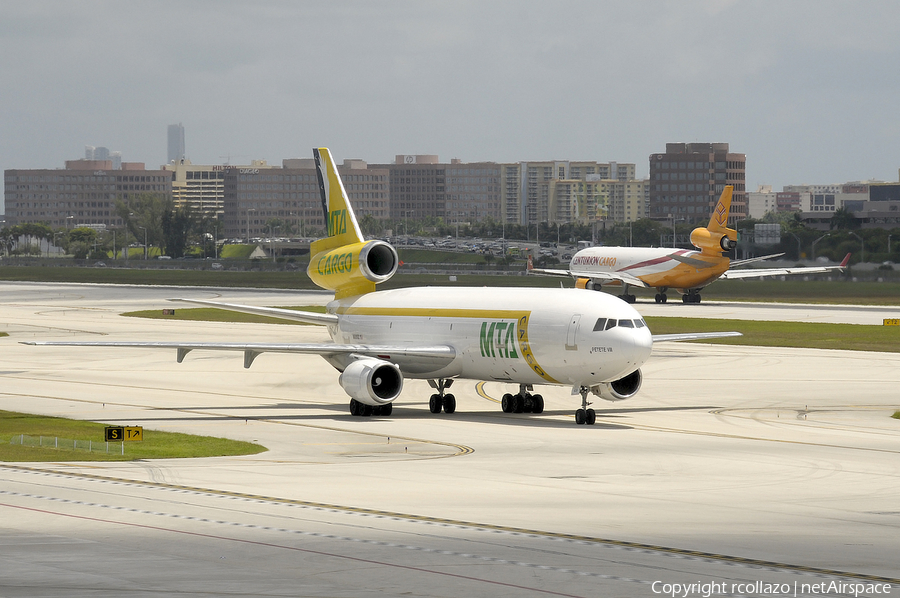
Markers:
point(718, 222)
point(343, 261)
point(340, 221)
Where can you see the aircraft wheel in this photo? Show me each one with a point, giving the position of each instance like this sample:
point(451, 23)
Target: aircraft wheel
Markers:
point(506, 403)
point(527, 404)
point(664, 298)
point(520, 404)
point(387, 409)
point(579, 417)
point(538, 404)
point(435, 403)
point(354, 407)
point(697, 298)
point(449, 404)
point(590, 416)
point(366, 410)
point(658, 298)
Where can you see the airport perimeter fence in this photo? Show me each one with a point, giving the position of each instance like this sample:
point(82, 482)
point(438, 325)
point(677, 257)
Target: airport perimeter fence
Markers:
point(68, 444)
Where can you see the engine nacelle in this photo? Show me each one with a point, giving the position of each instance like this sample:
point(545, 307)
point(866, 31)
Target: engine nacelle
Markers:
point(372, 381)
point(353, 269)
point(705, 240)
point(621, 389)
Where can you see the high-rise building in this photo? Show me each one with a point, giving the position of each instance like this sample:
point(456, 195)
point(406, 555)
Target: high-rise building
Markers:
point(176, 144)
point(686, 181)
point(102, 154)
point(559, 190)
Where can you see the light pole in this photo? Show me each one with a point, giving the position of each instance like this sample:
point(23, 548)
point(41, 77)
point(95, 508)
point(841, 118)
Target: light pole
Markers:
point(862, 255)
point(814, 244)
point(145, 241)
point(248, 222)
point(798, 243)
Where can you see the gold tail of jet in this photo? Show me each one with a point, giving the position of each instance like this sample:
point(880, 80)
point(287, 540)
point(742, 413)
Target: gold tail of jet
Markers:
point(716, 238)
point(343, 261)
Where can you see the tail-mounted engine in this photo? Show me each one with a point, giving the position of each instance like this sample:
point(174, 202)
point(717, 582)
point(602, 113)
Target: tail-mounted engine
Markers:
point(621, 389)
point(353, 269)
point(715, 242)
point(372, 381)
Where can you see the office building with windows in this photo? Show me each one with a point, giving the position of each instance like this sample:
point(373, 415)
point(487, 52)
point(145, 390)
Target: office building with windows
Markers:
point(686, 181)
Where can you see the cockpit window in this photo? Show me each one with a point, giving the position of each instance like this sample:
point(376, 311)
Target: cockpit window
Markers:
point(626, 323)
point(640, 323)
point(611, 324)
point(600, 325)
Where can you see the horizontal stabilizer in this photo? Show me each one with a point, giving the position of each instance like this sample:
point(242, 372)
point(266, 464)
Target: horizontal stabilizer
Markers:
point(307, 317)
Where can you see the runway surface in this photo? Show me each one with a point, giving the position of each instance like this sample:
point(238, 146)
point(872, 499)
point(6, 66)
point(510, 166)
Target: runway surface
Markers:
point(735, 465)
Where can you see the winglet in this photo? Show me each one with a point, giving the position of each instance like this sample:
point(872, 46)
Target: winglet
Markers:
point(718, 222)
point(340, 220)
point(846, 261)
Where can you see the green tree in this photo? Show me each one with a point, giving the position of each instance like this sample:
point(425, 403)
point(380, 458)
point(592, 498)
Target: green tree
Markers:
point(843, 219)
point(143, 216)
point(7, 239)
point(178, 224)
point(80, 241)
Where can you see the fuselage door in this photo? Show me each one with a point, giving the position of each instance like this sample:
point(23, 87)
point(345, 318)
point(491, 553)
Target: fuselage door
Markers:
point(570, 335)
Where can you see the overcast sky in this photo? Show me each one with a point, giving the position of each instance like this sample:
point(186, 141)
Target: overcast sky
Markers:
point(809, 90)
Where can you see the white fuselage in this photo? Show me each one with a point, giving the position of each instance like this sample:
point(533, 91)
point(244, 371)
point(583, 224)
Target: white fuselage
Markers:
point(653, 266)
point(520, 335)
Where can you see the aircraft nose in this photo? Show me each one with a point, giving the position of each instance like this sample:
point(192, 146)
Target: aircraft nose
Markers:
point(643, 342)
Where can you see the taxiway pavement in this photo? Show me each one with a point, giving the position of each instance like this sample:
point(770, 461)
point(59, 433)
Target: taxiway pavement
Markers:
point(733, 465)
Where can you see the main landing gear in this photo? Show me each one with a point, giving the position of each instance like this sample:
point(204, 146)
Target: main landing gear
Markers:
point(439, 401)
point(661, 295)
point(523, 401)
point(362, 410)
point(692, 296)
point(626, 297)
point(585, 415)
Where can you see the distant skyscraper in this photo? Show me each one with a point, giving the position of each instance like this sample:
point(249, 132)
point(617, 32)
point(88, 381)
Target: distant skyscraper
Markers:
point(176, 143)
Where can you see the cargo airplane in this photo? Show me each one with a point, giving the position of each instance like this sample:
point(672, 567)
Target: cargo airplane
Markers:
point(592, 342)
point(661, 268)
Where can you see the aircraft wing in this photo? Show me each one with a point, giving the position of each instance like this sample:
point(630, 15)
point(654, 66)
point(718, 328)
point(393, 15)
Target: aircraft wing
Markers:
point(757, 272)
point(602, 276)
point(409, 358)
point(549, 272)
point(273, 312)
point(751, 260)
point(692, 336)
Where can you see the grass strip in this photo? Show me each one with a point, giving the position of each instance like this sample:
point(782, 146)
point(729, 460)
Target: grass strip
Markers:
point(812, 335)
point(156, 444)
point(214, 314)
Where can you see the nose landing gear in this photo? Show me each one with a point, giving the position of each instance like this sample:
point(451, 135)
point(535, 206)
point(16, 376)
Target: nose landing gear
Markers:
point(439, 401)
point(585, 415)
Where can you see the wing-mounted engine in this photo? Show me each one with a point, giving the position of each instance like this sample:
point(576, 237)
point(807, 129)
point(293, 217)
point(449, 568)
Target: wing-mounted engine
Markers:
point(372, 381)
point(621, 389)
point(353, 269)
